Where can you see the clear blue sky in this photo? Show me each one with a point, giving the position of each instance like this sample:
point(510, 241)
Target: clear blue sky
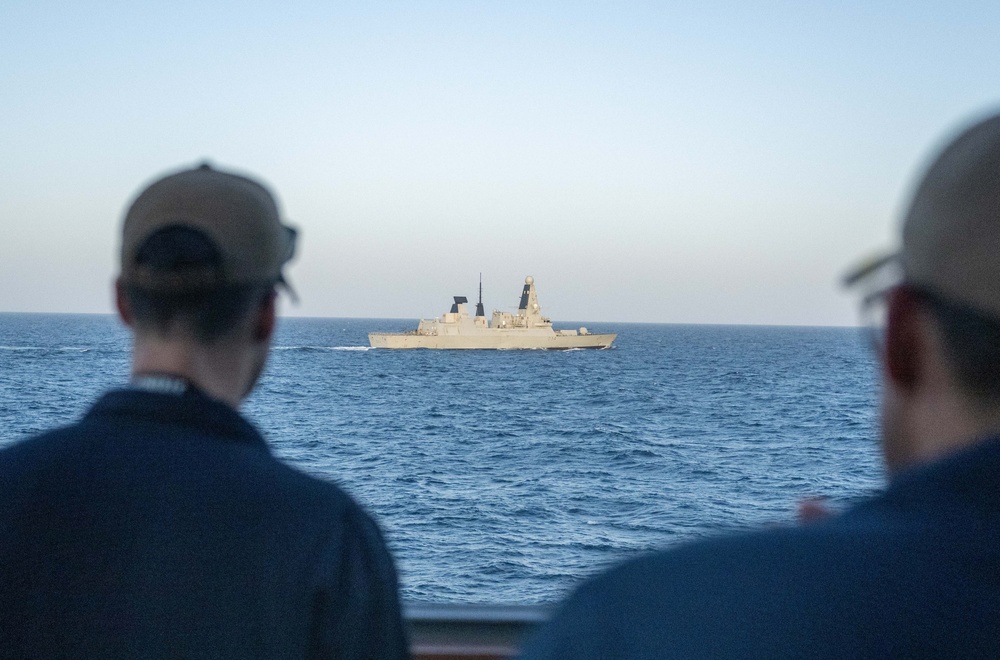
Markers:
point(697, 162)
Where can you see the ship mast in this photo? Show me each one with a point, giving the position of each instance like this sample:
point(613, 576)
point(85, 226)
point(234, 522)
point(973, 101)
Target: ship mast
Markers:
point(479, 305)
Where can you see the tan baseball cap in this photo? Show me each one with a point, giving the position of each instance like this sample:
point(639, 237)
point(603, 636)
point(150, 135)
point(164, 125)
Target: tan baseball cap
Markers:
point(951, 231)
point(238, 214)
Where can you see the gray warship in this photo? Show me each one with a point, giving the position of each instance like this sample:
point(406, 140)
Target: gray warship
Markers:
point(526, 328)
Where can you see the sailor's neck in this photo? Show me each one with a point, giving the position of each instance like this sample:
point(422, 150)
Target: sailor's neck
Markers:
point(219, 372)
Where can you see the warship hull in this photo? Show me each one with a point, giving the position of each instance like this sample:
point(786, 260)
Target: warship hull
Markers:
point(525, 329)
point(497, 340)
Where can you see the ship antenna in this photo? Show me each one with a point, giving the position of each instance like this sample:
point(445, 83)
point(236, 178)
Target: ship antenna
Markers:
point(479, 305)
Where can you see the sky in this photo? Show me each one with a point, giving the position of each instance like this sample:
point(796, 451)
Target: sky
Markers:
point(666, 162)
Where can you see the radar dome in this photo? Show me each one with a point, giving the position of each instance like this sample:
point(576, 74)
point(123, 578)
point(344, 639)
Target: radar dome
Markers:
point(529, 280)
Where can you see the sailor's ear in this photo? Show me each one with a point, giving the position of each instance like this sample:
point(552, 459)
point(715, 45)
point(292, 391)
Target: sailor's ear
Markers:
point(905, 341)
point(122, 303)
point(266, 317)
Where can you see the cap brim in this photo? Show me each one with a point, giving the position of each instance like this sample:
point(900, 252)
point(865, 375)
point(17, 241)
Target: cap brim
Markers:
point(880, 271)
point(283, 284)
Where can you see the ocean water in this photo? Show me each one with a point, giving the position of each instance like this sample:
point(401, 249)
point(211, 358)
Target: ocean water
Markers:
point(508, 476)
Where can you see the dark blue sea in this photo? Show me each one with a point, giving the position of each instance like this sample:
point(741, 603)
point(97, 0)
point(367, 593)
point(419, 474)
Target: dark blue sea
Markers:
point(508, 476)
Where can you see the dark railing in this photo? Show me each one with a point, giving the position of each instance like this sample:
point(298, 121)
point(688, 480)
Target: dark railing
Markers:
point(470, 632)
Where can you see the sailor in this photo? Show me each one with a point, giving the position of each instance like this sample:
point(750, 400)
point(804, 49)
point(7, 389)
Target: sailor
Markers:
point(915, 571)
point(160, 525)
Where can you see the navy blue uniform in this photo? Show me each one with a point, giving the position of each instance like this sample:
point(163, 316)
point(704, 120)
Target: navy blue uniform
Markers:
point(161, 526)
point(914, 572)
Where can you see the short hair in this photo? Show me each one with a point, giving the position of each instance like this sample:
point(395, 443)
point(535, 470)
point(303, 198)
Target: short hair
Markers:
point(196, 298)
point(971, 344)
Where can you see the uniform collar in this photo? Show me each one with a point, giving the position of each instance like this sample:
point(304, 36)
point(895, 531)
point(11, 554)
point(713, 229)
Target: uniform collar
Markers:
point(160, 383)
point(189, 407)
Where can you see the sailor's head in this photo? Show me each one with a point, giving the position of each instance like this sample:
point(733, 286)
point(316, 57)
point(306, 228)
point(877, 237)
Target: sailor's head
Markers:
point(941, 291)
point(202, 253)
